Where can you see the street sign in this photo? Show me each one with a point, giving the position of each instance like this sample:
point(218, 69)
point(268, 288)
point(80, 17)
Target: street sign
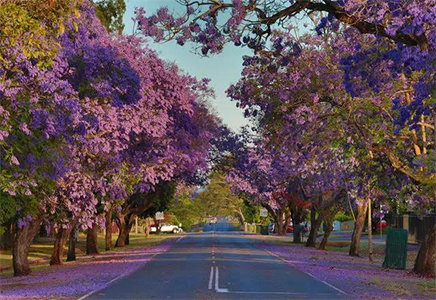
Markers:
point(263, 212)
point(159, 215)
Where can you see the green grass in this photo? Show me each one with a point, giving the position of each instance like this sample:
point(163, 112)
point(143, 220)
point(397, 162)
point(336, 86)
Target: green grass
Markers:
point(378, 250)
point(429, 285)
point(40, 251)
point(421, 288)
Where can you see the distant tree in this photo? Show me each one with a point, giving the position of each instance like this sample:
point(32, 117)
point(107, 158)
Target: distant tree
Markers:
point(251, 210)
point(161, 202)
point(142, 204)
point(184, 210)
point(110, 13)
point(218, 199)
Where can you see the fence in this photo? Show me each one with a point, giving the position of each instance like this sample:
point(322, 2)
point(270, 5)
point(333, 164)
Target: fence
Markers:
point(417, 226)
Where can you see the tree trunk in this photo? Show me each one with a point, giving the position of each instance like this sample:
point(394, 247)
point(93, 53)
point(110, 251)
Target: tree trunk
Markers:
point(58, 248)
point(92, 240)
point(287, 220)
point(327, 233)
point(123, 226)
point(71, 256)
point(281, 230)
point(121, 240)
point(8, 237)
point(130, 219)
point(425, 261)
point(22, 239)
point(108, 231)
point(147, 227)
point(136, 225)
point(129, 228)
point(371, 259)
point(156, 223)
point(296, 220)
point(241, 216)
point(315, 223)
point(43, 231)
point(297, 235)
point(358, 228)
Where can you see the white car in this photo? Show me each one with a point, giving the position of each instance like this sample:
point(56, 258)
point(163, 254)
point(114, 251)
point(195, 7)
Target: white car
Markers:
point(167, 228)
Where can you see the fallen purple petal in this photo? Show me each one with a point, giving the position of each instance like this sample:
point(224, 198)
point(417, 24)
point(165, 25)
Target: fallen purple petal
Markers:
point(80, 277)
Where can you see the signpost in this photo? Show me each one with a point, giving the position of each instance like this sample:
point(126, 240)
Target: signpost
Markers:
point(159, 215)
point(263, 228)
point(263, 212)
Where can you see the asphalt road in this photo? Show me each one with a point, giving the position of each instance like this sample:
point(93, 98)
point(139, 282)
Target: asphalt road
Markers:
point(219, 227)
point(218, 265)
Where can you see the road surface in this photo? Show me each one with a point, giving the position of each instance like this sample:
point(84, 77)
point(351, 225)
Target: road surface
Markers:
point(218, 265)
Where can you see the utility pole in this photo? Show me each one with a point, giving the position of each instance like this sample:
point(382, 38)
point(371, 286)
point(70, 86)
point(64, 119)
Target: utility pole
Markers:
point(380, 223)
point(370, 231)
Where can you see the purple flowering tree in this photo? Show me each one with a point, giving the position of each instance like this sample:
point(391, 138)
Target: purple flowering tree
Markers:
point(94, 120)
point(40, 115)
point(298, 84)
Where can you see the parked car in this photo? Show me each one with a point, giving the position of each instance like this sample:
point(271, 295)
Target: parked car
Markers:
point(303, 229)
point(167, 228)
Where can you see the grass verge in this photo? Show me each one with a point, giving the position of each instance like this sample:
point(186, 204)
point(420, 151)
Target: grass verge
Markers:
point(40, 251)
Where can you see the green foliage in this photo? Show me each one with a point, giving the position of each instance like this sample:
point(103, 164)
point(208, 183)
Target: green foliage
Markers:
point(110, 13)
point(11, 208)
point(251, 211)
point(35, 25)
point(215, 200)
point(161, 198)
point(218, 199)
point(32, 26)
point(184, 210)
point(342, 217)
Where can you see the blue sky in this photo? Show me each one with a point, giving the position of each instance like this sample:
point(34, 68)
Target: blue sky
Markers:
point(223, 69)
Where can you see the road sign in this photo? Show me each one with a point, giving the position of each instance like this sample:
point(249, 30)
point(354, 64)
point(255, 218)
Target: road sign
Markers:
point(159, 215)
point(263, 212)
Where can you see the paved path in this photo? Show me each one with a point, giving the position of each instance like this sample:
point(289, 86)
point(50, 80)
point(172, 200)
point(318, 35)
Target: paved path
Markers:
point(218, 265)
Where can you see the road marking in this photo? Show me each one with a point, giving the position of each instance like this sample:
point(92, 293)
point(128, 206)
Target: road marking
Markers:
point(217, 289)
point(277, 293)
point(211, 278)
point(180, 238)
point(326, 283)
point(332, 286)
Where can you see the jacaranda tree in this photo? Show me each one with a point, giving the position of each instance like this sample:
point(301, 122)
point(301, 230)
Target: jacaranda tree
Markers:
point(381, 63)
point(89, 119)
